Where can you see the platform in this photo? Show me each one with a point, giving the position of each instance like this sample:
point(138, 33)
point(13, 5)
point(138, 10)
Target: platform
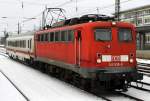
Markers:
point(143, 54)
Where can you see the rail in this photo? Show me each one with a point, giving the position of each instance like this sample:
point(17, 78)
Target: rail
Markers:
point(144, 68)
point(27, 99)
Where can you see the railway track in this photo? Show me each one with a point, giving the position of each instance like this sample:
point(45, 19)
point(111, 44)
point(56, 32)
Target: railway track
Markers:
point(143, 84)
point(17, 88)
point(107, 97)
point(144, 68)
point(148, 84)
point(4, 54)
point(140, 88)
point(130, 97)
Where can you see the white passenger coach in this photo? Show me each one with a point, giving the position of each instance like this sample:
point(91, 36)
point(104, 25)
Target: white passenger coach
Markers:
point(21, 46)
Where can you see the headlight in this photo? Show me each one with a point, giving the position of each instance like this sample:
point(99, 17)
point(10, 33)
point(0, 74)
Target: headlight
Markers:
point(131, 60)
point(113, 23)
point(99, 60)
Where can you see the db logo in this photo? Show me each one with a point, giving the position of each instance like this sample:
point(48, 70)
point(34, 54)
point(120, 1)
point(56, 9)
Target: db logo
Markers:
point(115, 58)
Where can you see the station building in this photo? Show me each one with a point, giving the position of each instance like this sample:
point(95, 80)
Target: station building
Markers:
point(140, 17)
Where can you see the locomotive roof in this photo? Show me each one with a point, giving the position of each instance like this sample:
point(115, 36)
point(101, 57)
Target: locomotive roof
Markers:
point(83, 19)
point(94, 24)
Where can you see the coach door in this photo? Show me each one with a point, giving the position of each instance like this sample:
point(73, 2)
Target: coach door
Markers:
point(78, 40)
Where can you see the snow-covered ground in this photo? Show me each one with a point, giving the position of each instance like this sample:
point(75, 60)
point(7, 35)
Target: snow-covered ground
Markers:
point(3, 50)
point(41, 87)
point(8, 92)
point(38, 86)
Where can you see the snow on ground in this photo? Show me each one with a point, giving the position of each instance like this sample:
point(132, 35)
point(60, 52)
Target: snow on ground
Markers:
point(41, 87)
point(146, 79)
point(2, 50)
point(8, 92)
point(1, 45)
point(138, 93)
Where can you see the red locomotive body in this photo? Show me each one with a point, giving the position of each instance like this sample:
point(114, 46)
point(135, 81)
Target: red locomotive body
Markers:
point(94, 49)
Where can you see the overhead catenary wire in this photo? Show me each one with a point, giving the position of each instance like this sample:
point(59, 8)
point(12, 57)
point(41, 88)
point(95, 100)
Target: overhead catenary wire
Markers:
point(39, 14)
point(61, 5)
point(101, 8)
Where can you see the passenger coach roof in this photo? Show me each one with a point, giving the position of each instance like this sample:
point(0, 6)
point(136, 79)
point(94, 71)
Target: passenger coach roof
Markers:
point(31, 33)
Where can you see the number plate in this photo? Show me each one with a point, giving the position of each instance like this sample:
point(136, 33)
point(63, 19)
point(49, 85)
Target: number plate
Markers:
point(115, 64)
point(115, 58)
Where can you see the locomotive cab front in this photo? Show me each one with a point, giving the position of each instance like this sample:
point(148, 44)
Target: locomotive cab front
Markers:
point(115, 47)
point(113, 53)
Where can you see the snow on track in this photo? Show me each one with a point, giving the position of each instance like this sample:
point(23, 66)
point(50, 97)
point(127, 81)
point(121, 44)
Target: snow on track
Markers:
point(8, 92)
point(41, 87)
point(147, 61)
point(138, 93)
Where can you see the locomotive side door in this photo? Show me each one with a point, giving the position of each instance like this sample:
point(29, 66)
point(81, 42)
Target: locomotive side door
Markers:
point(78, 40)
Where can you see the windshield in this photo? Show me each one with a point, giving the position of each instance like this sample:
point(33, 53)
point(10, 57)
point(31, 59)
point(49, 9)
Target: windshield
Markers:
point(125, 34)
point(102, 34)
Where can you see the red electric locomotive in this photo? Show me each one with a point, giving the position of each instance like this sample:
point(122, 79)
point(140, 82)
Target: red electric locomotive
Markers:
point(92, 50)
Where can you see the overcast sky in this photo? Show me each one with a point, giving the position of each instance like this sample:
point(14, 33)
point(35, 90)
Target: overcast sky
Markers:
point(16, 12)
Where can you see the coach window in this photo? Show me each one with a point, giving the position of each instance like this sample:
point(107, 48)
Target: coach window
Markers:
point(21, 44)
point(51, 36)
point(30, 43)
point(102, 34)
point(57, 36)
point(46, 37)
point(42, 37)
point(38, 36)
point(63, 36)
point(16, 43)
point(24, 43)
point(70, 35)
point(125, 34)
